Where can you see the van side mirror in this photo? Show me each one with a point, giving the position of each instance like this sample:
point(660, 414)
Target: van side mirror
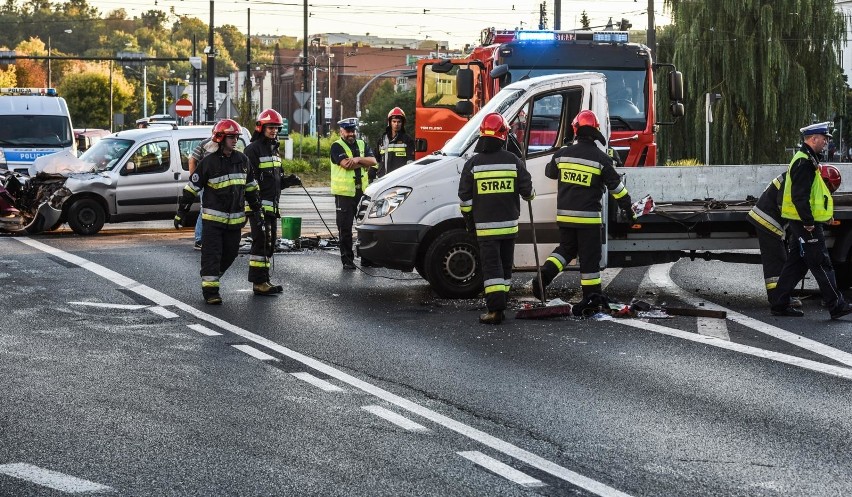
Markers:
point(464, 108)
point(128, 168)
point(443, 66)
point(464, 84)
point(676, 86)
point(420, 145)
point(501, 73)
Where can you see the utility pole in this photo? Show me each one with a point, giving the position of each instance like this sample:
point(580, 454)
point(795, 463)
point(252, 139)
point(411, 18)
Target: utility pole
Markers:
point(652, 30)
point(557, 15)
point(248, 64)
point(211, 69)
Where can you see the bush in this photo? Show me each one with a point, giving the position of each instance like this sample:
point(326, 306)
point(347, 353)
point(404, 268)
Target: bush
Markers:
point(684, 162)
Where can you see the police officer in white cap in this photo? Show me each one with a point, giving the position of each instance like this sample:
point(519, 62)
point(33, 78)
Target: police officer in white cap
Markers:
point(806, 205)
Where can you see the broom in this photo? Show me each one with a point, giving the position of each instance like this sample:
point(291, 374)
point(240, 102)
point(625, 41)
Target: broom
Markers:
point(542, 311)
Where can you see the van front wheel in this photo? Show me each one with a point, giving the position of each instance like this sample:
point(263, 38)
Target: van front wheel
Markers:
point(86, 216)
point(452, 265)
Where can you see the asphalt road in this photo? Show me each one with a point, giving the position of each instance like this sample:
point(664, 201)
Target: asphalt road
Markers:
point(118, 379)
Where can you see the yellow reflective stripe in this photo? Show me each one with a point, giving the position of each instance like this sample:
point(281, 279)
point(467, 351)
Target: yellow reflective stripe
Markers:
point(210, 284)
point(578, 220)
point(229, 182)
point(556, 262)
point(590, 282)
point(619, 192)
point(772, 285)
point(578, 167)
point(495, 174)
point(191, 189)
point(466, 208)
point(224, 220)
point(258, 264)
point(496, 288)
point(497, 231)
point(765, 223)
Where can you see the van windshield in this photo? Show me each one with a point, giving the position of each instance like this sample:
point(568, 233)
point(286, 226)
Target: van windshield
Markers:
point(469, 133)
point(36, 131)
point(104, 154)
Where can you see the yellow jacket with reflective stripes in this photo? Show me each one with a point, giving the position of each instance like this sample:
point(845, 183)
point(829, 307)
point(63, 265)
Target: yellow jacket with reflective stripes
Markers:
point(584, 173)
point(806, 197)
point(343, 180)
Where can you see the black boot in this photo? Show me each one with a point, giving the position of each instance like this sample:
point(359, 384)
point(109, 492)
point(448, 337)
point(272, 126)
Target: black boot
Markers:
point(492, 317)
point(264, 289)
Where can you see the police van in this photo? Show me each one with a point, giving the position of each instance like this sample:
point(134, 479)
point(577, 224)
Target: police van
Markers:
point(33, 122)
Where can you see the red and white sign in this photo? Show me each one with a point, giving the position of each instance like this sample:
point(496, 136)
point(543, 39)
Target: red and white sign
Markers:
point(183, 108)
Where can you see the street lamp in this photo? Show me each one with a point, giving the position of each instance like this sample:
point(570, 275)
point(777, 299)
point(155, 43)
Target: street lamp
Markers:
point(49, 71)
point(144, 87)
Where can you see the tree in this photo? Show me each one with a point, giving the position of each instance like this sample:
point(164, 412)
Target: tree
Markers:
point(8, 78)
point(234, 41)
point(87, 94)
point(584, 21)
point(154, 20)
point(374, 121)
point(773, 61)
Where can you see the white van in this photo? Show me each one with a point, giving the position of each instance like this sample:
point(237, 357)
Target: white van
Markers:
point(33, 122)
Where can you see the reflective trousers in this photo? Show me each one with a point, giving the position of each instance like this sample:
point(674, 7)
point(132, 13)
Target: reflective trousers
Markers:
point(807, 252)
point(346, 208)
point(262, 247)
point(773, 254)
point(219, 247)
point(584, 243)
point(496, 257)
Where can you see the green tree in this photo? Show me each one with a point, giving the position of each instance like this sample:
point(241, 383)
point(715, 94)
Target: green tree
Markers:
point(375, 119)
point(584, 21)
point(773, 61)
point(87, 94)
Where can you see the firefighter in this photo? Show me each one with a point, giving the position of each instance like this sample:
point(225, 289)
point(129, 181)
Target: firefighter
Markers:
point(396, 147)
point(228, 183)
point(584, 173)
point(770, 228)
point(350, 161)
point(807, 205)
point(265, 162)
point(490, 184)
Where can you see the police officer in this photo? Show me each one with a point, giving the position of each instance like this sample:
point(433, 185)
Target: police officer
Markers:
point(265, 162)
point(488, 190)
point(770, 228)
point(351, 160)
point(396, 147)
point(228, 183)
point(807, 204)
point(584, 173)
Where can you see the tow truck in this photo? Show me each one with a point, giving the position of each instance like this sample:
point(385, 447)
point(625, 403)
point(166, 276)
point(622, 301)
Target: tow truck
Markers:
point(450, 91)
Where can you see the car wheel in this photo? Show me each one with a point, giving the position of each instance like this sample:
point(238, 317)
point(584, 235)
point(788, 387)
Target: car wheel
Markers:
point(86, 216)
point(452, 265)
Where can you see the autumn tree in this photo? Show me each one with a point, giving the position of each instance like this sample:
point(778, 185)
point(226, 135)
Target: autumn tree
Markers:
point(87, 94)
point(773, 61)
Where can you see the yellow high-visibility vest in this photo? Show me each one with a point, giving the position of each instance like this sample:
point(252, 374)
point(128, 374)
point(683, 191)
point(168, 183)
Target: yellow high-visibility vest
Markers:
point(822, 205)
point(343, 180)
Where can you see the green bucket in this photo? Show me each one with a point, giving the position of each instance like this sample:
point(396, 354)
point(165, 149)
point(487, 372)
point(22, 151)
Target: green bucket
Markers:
point(291, 228)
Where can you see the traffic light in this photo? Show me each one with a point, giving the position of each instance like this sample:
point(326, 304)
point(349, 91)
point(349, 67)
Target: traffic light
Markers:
point(624, 25)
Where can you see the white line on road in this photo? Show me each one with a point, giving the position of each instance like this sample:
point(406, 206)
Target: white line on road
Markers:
point(162, 311)
point(257, 354)
point(608, 276)
point(203, 330)
point(502, 469)
point(395, 418)
point(713, 327)
point(52, 479)
point(129, 307)
point(659, 276)
point(317, 382)
point(493, 442)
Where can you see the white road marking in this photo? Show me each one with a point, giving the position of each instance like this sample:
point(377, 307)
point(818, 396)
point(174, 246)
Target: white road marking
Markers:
point(608, 276)
point(162, 311)
point(713, 327)
point(203, 330)
point(129, 307)
point(257, 354)
point(493, 442)
point(52, 479)
point(659, 276)
point(502, 469)
point(317, 382)
point(395, 418)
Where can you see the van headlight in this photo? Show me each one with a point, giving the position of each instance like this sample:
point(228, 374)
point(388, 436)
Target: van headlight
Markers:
point(388, 201)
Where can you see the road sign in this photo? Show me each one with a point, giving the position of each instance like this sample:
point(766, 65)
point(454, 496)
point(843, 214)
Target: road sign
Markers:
point(195, 62)
point(285, 127)
point(183, 108)
point(302, 97)
point(328, 103)
point(301, 116)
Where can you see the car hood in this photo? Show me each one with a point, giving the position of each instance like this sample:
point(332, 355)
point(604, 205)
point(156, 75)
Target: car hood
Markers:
point(407, 175)
point(63, 163)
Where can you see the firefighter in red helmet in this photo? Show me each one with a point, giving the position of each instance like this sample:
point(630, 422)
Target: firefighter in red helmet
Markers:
point(489, 189)
point(584, 173)
point(265, 163)
point(228, 184)
point(395, 146)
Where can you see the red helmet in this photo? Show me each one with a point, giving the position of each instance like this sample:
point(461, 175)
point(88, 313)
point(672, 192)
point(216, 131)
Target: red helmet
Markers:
point(225, 127)
point(396, 112)
point(585, 118)
point(831, 175)
point(269, 117)
point(495, 126)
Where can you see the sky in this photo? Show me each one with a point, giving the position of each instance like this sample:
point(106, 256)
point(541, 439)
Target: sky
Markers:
point(440, 20)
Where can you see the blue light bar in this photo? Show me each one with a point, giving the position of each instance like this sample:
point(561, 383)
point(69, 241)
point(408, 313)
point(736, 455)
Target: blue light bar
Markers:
point(610, 36)
point(535, 36)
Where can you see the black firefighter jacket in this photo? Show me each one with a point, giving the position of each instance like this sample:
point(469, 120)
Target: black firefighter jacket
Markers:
point(228, 184)
point(489, 188)
point(766, 213)
point(394, 152)
point(584, 173)
point(265, 163)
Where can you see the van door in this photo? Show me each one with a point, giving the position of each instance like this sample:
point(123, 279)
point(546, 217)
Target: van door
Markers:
point(542, 127)
point(147, 182)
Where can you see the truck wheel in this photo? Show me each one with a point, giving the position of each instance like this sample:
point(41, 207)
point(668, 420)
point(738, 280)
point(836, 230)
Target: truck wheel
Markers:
point(452, 265)
point(86, 217)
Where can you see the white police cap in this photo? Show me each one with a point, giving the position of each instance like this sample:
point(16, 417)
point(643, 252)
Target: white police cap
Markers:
point(817, 129)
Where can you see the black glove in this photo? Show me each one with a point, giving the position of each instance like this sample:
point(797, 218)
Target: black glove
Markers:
point(469, 224)
point(180, 216)
point(291, 180)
